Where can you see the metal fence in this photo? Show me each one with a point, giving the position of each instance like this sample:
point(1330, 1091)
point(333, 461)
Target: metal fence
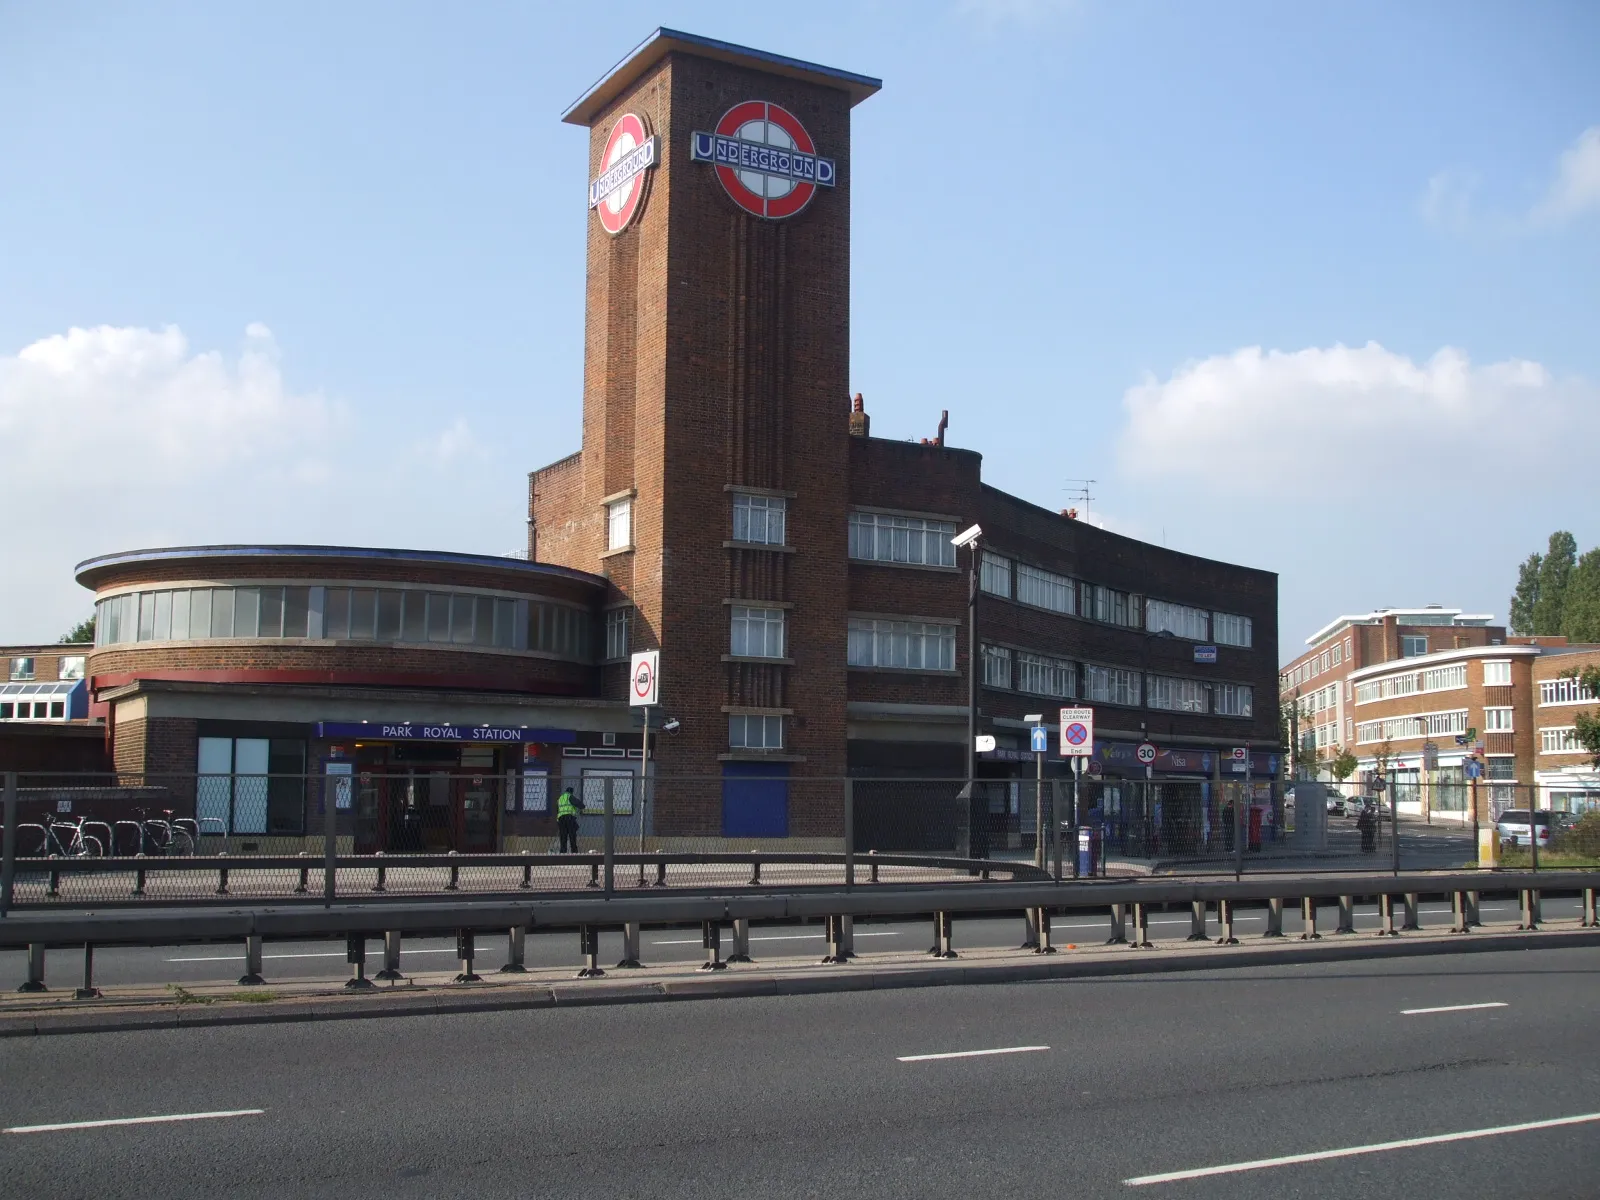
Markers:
point(74, 839)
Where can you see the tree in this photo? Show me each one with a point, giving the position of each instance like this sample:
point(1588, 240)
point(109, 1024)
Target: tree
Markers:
point(1580, 608)
point(1554, 574)
point(1588, 723)
point(1526, 598)
point(83, 631)
point(1343, 763)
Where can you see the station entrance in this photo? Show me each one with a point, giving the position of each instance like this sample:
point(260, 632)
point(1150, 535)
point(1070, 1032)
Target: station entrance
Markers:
point(430, 799)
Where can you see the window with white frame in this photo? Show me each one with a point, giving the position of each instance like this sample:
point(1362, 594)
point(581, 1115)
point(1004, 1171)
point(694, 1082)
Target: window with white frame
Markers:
point(1497, 672)
point(70, 666)
point(912, 541)
point(1162, 616)
point(994, 575)
point(1042, 675)
point(22, 668)
point(1337, 655)
point(752, 731)
point(1326, 663)
point(1497, 720)
point(619, 524)
point(759, 519)
point(1563, 691)
point(1446, 722)
point(904, 645)
point(1111, 685)
point(1439, 679)
point(997, 666)
point(1045, 589)
point(1559, 741)
point(1109, 605)
point(617, 632)
point(1232, 630)
point(1175, 695)
point(1349, 729)
point(1349, 645)
point(1413, 646)
point(1386, 689)
point(756, 632)
point(1232, 699)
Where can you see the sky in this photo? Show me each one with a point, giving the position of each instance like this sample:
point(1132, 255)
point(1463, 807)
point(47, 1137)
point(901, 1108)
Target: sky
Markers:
point(1313, 288)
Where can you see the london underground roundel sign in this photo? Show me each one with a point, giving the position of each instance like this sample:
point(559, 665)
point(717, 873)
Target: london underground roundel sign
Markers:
point(619, 191)
point(764, 157)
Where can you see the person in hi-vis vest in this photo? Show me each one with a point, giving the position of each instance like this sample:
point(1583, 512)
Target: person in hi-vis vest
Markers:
point(567, 821)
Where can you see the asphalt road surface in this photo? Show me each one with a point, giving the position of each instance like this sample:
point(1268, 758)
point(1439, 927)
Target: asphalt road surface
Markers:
point(875, 1094)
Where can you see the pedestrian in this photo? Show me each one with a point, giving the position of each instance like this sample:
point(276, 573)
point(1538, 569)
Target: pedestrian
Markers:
point(567, 821)
point(1367, 823)
point(1227, 826)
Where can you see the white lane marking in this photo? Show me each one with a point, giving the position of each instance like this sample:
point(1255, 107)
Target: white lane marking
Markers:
point(1417, 1012)
point(203, 1116)
point(775, 937)
point(1351, 1151)
point(970, 1053)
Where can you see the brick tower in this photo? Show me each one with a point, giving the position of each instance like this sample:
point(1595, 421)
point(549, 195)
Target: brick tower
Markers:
point(716, 377)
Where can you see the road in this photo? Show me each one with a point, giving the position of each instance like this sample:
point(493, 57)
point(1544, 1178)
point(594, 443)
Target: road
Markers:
point(310, 960)
point(809, 1096)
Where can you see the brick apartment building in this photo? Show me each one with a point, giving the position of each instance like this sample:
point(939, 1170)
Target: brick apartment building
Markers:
point(795, 572)
point(1567, 774)
point(729, 507)
point(44, 709)
point(1388, 683)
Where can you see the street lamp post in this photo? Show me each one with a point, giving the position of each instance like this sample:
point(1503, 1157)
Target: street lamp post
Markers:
point(969, 537)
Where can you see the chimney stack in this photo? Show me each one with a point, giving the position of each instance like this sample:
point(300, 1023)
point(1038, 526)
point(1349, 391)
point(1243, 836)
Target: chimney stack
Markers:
point(944, 423)
point(860, 423)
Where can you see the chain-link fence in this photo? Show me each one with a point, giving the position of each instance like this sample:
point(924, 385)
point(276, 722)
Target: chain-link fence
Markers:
point(143, 838)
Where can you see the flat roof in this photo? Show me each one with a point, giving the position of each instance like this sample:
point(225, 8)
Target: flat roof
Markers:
point(664, 41)
point(91, 569)
point(1457, 617)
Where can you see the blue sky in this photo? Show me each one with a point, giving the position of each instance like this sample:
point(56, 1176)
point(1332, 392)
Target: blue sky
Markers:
point(1310, 287)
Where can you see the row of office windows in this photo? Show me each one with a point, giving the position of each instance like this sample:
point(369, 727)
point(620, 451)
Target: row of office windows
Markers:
point(758, 520)
point(1558, 691)
point(344, 614)
point(1560, 741)
point(1332, 657)
point(1061, 679)
point(68, 666)
point(1423, 725)
point(1496, 673)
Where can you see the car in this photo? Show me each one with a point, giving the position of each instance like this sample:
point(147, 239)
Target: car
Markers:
point(1335, 805)
point(1513, 826)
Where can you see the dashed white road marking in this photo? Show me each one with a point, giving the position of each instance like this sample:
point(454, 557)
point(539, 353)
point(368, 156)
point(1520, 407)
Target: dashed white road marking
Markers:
point(161, 1120)
point(908, 1058)
point(1418, 1012)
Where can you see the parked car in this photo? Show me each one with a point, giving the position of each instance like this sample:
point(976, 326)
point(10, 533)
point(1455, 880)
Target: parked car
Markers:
point(1335, 805)
point(1513, 826)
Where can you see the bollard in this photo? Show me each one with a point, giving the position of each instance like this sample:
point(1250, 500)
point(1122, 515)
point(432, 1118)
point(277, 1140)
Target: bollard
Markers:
point(1413, 914)
point(711, 939)
point(1589, 921)
point(834, 928)
point(516, 949)
point(1225, 919)
point(741, 940)
point(455, 879)
point(222, 881)
point(1458, 913)
point(630, 945)
point(755, 875)
point(1030, 929)
point(1197, 922)
point(1274, 918)
point(1386, 916)
point(252, 961)
point(1347, 915)
point(589, 947)
point(1141, 928)
point(527, 873)
point(1119, 925)
point(466, 952)
point(355, 953)
point(594, 870)
point(943, 935)
point(391, 956)
point(383, 876)
point(35, 980)
point(1308, 918)
point(88, 991)
point(1044, 933)
point(1530, 909)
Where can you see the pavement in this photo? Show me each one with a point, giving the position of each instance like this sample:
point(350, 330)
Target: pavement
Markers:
point(1383, 1078)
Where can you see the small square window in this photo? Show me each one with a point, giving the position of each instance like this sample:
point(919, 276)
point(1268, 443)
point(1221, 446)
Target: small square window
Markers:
point(1413, 647)
point(750, 732)
point(759, 519)
point(58, 709)
point(619, 525)
point(22, 668)
point(70, 666)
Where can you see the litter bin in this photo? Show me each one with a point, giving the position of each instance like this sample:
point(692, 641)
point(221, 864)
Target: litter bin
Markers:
point(1088, 852)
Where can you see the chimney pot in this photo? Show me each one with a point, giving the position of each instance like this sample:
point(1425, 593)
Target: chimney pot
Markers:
point(860, 423)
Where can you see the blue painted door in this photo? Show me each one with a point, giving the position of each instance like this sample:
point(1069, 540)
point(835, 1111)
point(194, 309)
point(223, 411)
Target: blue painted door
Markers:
point(755, 800)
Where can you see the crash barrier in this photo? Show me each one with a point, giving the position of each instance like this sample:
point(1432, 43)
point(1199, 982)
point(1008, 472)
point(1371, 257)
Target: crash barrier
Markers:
point(36, 932)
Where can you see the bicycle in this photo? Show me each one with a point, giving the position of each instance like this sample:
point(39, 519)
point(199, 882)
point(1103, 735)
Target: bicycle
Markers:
point(166, 837)
point(78, 844)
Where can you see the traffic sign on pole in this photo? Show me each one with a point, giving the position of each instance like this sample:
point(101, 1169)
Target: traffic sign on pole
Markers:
point(1077, 732)
point(1040, 739)
point(1146, 753)
point(644, 679)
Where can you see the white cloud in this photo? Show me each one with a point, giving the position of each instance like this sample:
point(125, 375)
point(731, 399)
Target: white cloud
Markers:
point(1576, 188)
point(1362, 477)
point(121, 438)
point(1450, 200)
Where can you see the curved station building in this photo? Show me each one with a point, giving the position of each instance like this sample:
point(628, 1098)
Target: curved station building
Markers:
point(729, 508)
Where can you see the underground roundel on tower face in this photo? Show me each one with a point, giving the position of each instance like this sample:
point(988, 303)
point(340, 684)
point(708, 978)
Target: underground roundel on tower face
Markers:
point(619, 191)
point(765, 159)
